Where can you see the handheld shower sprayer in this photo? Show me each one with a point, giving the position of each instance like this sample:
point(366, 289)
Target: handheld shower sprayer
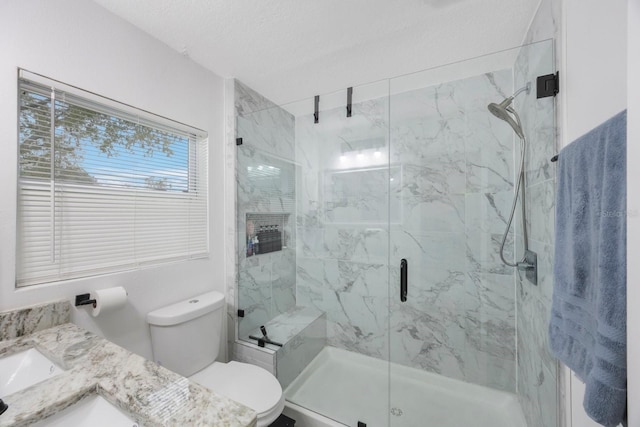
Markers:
point(505, 111)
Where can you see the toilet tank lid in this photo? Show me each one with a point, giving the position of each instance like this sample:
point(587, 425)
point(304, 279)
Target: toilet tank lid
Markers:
point(188, 309)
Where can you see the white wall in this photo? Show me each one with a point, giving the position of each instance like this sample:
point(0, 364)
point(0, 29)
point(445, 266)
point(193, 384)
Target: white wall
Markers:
point(633, 207)
point(595, 75)
point(81, 44)
point(594, 81)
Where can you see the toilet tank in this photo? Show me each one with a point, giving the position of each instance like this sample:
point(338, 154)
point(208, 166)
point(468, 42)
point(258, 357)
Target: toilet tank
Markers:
point(185, 336)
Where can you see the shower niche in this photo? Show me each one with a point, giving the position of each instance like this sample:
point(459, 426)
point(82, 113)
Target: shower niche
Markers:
point(266, 233)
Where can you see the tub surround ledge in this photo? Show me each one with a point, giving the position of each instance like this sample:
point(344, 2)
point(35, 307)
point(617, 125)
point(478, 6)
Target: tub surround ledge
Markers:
point(147, 392)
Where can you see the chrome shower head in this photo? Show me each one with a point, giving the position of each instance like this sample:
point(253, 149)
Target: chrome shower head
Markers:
point(505, 112)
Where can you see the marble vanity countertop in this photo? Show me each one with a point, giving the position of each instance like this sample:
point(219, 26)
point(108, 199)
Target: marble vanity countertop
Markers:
point(147, 392)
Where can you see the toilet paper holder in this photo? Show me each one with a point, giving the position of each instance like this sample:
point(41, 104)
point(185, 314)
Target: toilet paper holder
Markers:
point(85, 299)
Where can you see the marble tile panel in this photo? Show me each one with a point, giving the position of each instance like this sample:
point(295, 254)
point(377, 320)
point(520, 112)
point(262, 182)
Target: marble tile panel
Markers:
point(249, 352)
point(355, 278)
point(537, 391)
point(375, 115)
point(354, 243)
point(300, 350)
point(311, 241)
point(422, 139)
point(309, 274)
point(475, 93)
point(533, 324)
point(439, 328)
point(437, 101)
point(356, 196)
point(283, 299)
point(308, 146)
point(357, 323)
point(490, 314)
point(438, 176)
point(490, 371)
point(307, 199)
point(487, 212)
point(269, 138)
point(254, 297)
point(309, 296)
point(541, 144)
point(489, 171)
point(485, 131)
point(337, 135)
point(247, 100)
point(483, 252)
point(284, 265)
point(315, 276)
point(423, 213)
point(541, 212)
point(278, 119)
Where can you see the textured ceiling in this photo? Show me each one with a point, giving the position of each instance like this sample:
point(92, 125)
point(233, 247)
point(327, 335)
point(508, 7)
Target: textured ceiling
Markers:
point(292, 49)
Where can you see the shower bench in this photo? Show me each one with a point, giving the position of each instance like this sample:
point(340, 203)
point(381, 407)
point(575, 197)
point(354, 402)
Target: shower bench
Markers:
point(302, 331)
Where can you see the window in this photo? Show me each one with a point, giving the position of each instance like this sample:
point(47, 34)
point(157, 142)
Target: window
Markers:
point(103, 187)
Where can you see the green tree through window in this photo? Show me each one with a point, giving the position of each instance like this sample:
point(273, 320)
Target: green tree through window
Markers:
point(91, 144)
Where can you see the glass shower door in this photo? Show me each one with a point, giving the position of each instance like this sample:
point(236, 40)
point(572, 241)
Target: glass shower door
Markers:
point(453, 341)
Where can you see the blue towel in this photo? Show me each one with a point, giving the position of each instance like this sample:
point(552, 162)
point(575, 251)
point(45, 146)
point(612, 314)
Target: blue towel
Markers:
point(588, 316)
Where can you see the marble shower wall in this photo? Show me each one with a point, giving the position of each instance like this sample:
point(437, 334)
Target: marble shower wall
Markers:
point(265, 177)
point(450, 188)
point(537, 368)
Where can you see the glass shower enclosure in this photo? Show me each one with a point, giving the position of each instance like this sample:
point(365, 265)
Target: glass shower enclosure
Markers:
point(412, 181)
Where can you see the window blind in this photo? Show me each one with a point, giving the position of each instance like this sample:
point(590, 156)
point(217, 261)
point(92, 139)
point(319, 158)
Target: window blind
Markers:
point(103, 189)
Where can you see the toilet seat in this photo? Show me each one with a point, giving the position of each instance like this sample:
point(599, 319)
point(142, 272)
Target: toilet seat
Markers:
point(248, 384)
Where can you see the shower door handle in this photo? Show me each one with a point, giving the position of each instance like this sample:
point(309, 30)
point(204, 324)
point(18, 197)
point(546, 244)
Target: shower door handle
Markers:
point(404, 267)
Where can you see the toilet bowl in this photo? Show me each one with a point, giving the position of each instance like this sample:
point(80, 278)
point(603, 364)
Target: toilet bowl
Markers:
point(248, 384)
point(185, 337)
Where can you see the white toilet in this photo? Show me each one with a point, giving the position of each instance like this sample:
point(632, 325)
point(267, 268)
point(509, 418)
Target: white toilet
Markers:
point(186, 339)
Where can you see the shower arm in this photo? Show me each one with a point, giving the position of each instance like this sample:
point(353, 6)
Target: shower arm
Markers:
point(525, 88)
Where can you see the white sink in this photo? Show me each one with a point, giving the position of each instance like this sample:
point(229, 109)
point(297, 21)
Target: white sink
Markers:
point(93, 411)
point(24, 369)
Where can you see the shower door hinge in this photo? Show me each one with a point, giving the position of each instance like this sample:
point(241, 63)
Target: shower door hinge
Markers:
point(238, 141)
point(361, 424)
point(240, 313)
point(548, 85)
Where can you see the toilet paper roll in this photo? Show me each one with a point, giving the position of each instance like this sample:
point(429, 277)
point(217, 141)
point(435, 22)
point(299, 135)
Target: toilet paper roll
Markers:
point(108, 300)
